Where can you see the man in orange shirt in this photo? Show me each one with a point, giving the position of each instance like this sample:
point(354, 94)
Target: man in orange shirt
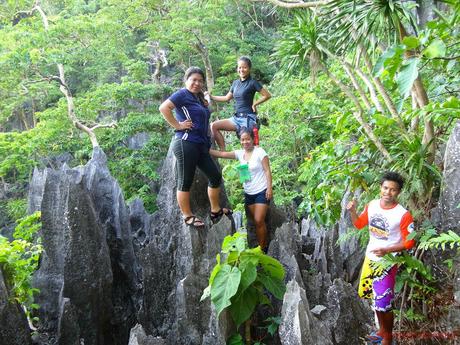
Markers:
point(389, 225)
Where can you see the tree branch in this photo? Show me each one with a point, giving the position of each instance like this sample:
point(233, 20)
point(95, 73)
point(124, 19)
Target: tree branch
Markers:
point(65, 89)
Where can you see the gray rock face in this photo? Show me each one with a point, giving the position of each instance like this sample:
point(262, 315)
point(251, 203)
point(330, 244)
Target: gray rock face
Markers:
point(348, 318)
point(138, 141)
point(447, 215)
point(176, 261)
point(14, 329)
point(138, 337)
point(88, 277)
point(341, 318)
point(298, 325)
point(107, 267)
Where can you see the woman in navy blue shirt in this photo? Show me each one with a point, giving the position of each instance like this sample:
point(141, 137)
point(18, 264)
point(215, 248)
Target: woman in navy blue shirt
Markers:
point(243, 91)
point(191, 144)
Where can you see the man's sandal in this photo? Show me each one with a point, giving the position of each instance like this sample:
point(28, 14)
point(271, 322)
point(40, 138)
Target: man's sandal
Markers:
point(216, 216)
point(374, 338)
point(194, 221)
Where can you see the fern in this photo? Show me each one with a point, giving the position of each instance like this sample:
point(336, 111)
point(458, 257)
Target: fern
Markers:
point(445, 239)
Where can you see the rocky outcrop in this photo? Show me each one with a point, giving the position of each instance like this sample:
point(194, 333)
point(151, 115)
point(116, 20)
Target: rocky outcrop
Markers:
point(298, 325)
point(447, 215)
point(14, 329)
point(343, 319)
point(176, 261)
point(107, 267)
point(138, 337)
point(88, 277)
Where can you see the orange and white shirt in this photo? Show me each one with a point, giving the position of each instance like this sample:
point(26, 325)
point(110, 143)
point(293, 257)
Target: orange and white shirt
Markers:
point(387, 226)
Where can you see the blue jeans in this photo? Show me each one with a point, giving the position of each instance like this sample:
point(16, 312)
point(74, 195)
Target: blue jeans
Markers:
point(249, 121)
point(259, 198)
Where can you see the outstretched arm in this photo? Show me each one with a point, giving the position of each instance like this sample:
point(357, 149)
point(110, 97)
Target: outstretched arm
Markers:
point(268, 175)
point(265, 97)
point(222, 154)
point(225, 98)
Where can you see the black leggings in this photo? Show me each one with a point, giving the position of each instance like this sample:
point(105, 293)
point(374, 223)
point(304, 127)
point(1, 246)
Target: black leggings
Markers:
point(190, 155)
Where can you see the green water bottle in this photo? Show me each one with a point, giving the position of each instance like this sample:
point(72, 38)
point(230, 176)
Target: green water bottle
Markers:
point(244, 173)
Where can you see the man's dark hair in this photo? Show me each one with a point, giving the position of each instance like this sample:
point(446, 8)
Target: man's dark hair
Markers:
point(392, 176)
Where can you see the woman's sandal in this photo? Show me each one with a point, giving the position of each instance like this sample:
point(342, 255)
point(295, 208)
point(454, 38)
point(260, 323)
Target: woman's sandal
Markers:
point(216, 216)
point(194, 221)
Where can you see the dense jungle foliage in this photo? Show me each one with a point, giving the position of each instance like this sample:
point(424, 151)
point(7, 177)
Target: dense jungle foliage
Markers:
point(359, 87)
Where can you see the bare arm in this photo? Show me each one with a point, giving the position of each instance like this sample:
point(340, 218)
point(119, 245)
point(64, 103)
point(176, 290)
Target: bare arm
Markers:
point(222, 154)
point(265, 97)
point(166, 109)
point(225, 98)
point(398, 247)
point(268, 175)
point(351, 207)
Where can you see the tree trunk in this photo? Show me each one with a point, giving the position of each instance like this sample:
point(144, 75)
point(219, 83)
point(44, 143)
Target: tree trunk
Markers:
point(370, 86)
point(349, 69)
point(23, 119)
point(203, 50)
point(381, 89)
point(359, 114)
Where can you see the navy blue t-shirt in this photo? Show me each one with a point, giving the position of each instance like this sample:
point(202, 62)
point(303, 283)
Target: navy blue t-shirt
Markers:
point(188, 106)
point(243, 93)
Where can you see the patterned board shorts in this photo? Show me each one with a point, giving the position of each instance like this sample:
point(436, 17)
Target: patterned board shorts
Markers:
point(378, 285)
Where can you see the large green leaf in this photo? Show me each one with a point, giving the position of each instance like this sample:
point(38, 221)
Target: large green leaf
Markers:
point(206, 293)
point(407, 76)
point(243, 305)
point(272, 266)
point(236, 242)
point(250, 256)
point(389, 57)
point(411, 42)
point(437, 48)
point(225, 286)
point(248, 276)
point(277, 287)
point(235, 339)
point(215, 270)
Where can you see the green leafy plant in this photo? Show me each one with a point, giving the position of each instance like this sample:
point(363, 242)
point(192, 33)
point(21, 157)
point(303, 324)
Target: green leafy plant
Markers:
point(445, 239)
point(16, 208)
point(19, 260)
point(241, 277)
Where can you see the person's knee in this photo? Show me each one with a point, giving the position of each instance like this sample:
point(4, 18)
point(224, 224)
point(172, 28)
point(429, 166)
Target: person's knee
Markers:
point(259, 221)
point(184, 185)
point(215, 180)
point(215, 126)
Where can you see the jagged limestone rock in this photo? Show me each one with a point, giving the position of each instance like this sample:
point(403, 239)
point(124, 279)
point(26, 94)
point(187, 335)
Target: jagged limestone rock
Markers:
point(446, 216)
point(138, 337)
point(177, 260)
point(89, 274)
point(298, 325)
point(347, 316)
